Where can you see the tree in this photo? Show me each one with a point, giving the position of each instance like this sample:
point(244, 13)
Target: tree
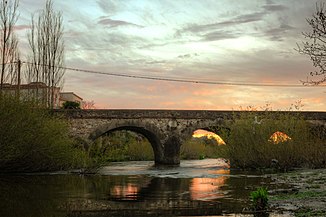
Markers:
point(47, 45)
point(88, 105)
point(8, 42)
point(315, 45)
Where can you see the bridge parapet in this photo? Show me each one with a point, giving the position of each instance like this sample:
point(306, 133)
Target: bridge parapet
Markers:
point(175, 114)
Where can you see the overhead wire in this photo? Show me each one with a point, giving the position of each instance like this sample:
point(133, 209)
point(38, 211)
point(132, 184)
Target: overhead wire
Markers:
point(181, 80)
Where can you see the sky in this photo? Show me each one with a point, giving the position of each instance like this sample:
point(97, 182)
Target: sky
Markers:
point(228, 41)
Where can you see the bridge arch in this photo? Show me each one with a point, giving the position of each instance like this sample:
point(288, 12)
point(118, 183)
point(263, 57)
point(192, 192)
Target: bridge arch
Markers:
point(148, 130)
point(215, 126)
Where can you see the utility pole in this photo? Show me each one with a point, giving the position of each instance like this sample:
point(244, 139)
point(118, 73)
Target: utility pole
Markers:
point(18, 77)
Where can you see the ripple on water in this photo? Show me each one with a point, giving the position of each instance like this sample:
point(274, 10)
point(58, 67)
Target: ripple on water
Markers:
point(207, 168)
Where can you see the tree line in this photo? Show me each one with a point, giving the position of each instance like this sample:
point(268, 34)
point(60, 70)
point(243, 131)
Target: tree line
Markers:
point(45, 39)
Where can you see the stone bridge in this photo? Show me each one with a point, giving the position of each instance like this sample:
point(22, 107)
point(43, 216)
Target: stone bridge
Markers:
point(164, 129)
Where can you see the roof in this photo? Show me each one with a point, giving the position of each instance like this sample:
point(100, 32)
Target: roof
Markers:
point(68, 93)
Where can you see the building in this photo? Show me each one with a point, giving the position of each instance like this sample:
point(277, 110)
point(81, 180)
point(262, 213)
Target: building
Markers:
point(40, 91)
point(70, 96)
point(34, 90)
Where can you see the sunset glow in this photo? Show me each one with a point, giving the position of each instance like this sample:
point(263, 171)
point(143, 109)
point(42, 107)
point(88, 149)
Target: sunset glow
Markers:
point(203, 133)
point(208, 188)
point(242, 41)
point(128, 190)
point(279, 137)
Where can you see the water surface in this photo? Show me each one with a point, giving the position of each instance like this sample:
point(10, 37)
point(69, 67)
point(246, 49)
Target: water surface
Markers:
point(195, 188)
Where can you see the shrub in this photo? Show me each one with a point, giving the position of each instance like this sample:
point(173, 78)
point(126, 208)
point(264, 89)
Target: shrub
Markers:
point(249, 144)
point(121, 146)
point(33, 140)
point(259, 199)
point(201, 148)
point(71, 105)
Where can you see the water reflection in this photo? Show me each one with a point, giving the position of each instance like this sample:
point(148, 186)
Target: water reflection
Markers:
point(187, 191)
point(207, 189)
point(129, 191)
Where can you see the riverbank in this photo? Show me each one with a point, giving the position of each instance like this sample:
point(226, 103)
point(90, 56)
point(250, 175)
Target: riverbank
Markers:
point(306, 195)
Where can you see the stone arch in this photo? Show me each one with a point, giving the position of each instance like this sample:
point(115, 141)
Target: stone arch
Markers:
point(148, 130)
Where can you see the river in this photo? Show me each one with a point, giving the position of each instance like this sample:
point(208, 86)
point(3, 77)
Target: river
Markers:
point(195, 188)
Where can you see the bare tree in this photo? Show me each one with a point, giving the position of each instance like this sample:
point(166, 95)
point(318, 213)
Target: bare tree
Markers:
point(47, 45)
point(8, 42)
point(315, 45)
point(88, 105)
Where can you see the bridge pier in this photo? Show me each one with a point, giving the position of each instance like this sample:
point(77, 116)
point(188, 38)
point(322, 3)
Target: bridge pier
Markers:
point(170, 152)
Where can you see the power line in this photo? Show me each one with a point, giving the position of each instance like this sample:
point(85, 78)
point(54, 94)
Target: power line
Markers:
point(178, 79)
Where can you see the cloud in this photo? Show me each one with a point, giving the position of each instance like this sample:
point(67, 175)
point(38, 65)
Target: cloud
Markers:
point(115, 23)
point(109, 6)
point(187, 56)
point(220, 35)
point(240, 19)
point(231, 27)
point(279, 33)
point(274, 7)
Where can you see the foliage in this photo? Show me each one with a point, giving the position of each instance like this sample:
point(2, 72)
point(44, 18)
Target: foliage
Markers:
point(70, 105)
point(249, 144)
point(314, 46)
point(33, 140)
point(120, 146)
point(259, 199)
point(201, 148)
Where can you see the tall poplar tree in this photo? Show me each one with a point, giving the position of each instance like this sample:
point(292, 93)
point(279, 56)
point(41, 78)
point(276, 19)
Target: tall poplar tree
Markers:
point(47, 45)
point(9, 53)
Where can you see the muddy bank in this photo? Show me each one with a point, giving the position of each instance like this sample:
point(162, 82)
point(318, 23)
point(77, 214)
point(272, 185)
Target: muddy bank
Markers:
point(305, 194)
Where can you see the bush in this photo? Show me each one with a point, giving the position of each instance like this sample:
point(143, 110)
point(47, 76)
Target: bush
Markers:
point(33, 140)
point(71, 105)
point(200, 148)
point(249, 144)
point(121, 146)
